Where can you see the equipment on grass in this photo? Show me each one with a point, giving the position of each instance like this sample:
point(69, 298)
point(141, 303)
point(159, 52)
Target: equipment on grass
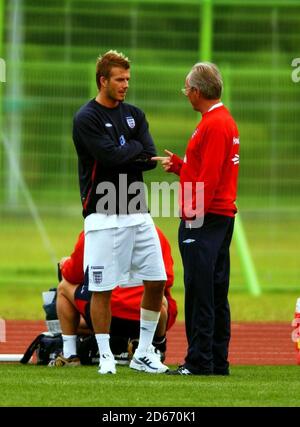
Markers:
point(48, 347)
point(62, 361)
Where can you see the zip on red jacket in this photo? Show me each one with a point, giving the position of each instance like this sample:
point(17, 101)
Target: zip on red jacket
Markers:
point(211, 158)
point(125, 302)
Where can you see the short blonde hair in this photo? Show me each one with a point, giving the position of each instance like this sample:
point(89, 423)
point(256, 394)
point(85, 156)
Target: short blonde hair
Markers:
point(206, 77)
point(106, 62)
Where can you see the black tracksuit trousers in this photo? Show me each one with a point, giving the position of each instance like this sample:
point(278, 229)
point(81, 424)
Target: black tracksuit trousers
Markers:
point(206, 263)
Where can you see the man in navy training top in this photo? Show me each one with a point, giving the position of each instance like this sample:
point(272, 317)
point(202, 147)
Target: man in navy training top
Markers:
point(114, 148)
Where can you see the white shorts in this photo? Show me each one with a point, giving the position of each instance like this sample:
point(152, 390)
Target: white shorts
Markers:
point(123, 256)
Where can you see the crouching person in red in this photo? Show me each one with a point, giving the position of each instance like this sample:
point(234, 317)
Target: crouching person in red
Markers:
point(73, 309)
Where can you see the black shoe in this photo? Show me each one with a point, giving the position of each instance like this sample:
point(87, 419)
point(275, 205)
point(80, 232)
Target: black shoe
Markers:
point(181, 370)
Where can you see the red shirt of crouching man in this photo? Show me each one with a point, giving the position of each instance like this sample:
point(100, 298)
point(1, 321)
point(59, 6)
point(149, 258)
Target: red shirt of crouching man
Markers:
point(125, 302)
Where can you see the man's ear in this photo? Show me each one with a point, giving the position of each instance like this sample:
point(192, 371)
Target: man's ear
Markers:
point(199, 94)
point(103, 81)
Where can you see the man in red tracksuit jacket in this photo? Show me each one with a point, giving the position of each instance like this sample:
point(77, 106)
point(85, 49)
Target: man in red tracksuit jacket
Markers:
point(209, 169)
point(125, 304)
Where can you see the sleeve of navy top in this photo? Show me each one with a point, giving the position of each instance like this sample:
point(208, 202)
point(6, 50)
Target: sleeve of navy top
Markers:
point(101, 146)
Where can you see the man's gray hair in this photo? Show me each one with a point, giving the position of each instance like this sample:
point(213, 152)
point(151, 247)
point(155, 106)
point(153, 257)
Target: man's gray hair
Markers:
point(206, 77)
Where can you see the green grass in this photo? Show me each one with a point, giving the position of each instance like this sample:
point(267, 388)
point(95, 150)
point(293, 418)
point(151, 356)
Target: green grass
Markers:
point(26, 268)
point(247, 386)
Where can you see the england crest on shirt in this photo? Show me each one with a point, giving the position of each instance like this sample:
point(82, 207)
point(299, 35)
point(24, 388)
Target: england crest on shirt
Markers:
point(130, 121)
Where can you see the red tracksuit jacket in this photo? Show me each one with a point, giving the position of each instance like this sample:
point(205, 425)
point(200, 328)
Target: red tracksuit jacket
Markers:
point(212, 157)
point(125, 302)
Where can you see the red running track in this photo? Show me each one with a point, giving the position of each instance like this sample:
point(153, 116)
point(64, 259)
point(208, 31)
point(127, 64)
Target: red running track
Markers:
point(251, 343)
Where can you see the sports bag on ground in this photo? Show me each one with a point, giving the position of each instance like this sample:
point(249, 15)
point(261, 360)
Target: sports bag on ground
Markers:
point(47, 347)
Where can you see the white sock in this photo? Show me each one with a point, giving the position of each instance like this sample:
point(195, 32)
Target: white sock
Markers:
point(149, 321)
point(69, 345)
point(103, 344)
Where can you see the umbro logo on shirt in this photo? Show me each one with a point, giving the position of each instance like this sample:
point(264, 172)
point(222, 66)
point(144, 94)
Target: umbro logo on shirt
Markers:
point(189, 241)
point(236, 159)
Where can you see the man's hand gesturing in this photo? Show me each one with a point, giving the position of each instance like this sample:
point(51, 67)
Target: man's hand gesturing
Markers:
point(165, 161)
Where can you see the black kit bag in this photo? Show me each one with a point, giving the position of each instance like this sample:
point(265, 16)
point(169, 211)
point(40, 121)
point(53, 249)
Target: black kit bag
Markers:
point(48, 347)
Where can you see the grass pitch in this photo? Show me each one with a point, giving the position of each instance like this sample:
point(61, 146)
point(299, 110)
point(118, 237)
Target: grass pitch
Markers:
point(82, 386)
point(26, 271)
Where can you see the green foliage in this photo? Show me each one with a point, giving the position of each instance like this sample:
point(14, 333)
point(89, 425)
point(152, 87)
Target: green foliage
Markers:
point(253, 45)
